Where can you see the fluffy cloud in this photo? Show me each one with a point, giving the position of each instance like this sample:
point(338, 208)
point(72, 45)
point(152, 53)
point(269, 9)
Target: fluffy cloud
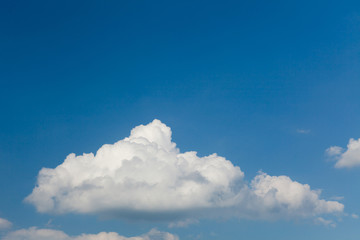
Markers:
point(5, 224)
point(46, 234)
point(346, 158)
point(284, 197)
point(145, 176)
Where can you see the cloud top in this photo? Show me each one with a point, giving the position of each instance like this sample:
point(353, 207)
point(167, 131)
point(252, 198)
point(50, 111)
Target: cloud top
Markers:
point(145, 176)
point(346, 158)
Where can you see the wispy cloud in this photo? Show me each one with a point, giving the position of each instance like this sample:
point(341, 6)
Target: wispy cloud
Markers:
point(337, 198)
point(303, 131)
point(183, 223)
point(325, 222)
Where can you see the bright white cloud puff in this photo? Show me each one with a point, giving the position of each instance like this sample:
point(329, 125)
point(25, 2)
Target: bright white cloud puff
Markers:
point(144, 176)
point(50, 234)
point(346, 158)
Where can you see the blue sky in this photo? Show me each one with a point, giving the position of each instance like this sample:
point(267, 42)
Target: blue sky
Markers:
point(268, 86)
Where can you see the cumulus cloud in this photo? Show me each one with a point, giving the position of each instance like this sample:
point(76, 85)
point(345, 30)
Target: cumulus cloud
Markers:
point(5, 224)
point(290, 198)
point(145, 176)
point(346, 158)
point(34, 233)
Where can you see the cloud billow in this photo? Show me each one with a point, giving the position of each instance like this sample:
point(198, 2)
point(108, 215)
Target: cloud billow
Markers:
point(145, 176)
point(346, 158)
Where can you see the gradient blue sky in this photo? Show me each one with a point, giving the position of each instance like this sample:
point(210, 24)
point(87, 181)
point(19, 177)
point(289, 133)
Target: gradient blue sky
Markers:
point(268, 85)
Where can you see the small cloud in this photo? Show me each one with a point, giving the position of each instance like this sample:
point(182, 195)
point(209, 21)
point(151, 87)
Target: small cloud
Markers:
point(5, 224)
point(303, 131)
point(355, 216)
point(325, 222)
point(346, 158)
point(334, 151)
point(49, 223)
point(184, 223)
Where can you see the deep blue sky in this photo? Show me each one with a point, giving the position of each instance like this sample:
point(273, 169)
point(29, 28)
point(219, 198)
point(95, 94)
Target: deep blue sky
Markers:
point(238, 78)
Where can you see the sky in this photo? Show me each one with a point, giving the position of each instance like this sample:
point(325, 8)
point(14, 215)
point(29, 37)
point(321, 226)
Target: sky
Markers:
point(179, 120)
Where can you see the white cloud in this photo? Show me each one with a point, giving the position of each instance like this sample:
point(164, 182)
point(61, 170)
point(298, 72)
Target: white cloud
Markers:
point(290, 198)
point(34, 233)
point(5, 224)
point(346, 158)
point(144, 176)
point(355, 216)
